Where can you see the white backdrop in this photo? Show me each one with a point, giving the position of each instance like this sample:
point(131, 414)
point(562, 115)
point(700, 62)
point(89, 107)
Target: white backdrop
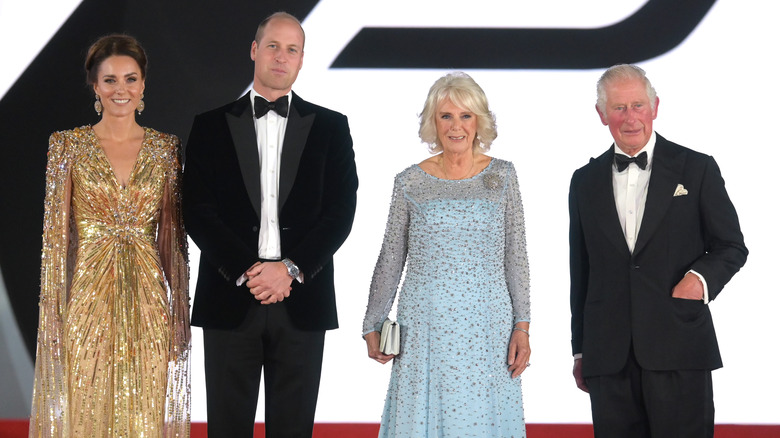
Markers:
point(718, 93)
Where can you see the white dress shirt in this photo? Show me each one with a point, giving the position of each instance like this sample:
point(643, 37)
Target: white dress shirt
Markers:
point(270, 131)
point(630, 190)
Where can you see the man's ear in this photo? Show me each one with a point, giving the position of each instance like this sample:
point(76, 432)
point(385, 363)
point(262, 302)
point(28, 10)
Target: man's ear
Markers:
point(655, 109)
point(603, 117)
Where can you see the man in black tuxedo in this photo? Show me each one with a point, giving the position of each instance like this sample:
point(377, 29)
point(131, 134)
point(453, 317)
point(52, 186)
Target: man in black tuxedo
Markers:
point(653, 239)
point(269, 196)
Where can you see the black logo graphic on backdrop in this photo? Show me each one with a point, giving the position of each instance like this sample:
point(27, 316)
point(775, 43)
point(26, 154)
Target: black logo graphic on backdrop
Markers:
point(656, 28)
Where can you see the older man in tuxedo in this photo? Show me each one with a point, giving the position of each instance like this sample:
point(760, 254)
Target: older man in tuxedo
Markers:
point(654, 238)
point(269, 196)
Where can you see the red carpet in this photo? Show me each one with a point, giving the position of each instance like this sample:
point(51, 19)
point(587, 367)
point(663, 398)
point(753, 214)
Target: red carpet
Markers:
point(18, 429)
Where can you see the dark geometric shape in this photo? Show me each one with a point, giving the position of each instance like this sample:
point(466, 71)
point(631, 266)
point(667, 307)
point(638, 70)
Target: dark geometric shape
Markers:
point(656, 28)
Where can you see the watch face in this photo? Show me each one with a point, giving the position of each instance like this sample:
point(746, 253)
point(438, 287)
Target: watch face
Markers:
point(291, 268)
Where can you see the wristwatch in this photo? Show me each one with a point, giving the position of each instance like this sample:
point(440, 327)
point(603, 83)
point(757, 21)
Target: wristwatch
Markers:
point(292, 268)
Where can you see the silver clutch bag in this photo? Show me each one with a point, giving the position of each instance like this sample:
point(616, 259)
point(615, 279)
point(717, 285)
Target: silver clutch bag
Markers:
point(390, 339)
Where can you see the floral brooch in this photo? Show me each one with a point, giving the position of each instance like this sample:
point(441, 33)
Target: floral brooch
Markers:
point(492, 181)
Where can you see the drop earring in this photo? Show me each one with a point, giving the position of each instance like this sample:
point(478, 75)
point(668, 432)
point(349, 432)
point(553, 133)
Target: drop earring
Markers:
point(98, 105)
point(141, 104)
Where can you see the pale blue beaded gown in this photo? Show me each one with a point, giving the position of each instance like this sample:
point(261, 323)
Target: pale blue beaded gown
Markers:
point(466, 284)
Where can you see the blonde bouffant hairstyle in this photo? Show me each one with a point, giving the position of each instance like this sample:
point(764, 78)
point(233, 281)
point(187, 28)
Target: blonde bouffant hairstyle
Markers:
point(465, 93)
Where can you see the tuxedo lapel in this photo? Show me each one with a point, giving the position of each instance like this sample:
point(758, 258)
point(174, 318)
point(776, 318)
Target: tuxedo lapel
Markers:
point(299, 123)
point(667, 170)
point(602, 200)
point(242, 130)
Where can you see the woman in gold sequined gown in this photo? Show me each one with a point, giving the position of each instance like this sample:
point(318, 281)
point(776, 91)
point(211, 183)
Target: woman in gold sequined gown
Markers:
point(113, 337)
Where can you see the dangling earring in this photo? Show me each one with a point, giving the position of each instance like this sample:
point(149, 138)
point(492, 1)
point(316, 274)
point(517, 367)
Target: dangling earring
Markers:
point(141, 104)
point(98, 105)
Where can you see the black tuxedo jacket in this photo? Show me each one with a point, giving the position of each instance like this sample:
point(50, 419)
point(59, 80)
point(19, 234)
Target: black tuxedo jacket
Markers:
point(221, 202)
point(619, 298)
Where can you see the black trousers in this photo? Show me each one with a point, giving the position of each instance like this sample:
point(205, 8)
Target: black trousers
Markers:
point(234, 360)
point(639, 403)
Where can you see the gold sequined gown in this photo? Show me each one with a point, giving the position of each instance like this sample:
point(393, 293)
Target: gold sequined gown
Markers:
point(113, 337)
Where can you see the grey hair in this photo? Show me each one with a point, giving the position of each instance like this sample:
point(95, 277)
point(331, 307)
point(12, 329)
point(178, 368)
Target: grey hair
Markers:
point(465, 93)
point(622, 72)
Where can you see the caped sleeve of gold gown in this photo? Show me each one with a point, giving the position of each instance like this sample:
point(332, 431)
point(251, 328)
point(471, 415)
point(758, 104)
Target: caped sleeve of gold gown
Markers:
point(50, 393)
point(172, 242)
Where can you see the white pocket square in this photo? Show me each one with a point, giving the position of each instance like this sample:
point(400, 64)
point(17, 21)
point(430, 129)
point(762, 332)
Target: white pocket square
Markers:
point(680, 190)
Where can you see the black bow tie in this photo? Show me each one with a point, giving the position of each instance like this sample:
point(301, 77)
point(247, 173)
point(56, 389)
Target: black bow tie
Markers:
point(622, 161)
point(262, 106)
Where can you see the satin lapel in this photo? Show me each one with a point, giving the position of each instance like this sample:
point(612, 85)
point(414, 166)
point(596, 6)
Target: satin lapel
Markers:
point(666, 174)
point(295, 137)
point(242, 130)
point(602, 201)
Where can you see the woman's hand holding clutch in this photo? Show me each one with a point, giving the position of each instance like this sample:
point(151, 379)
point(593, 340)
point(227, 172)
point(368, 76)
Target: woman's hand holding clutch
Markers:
point(372, 344)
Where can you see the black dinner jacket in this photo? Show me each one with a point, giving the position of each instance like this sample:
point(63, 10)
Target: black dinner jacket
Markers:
point(619, 298)
point(221, 202)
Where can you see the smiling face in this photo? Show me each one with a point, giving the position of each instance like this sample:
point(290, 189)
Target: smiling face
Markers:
point(456, 128)
point(629, 114)
point(278, 58)
point(119, 84)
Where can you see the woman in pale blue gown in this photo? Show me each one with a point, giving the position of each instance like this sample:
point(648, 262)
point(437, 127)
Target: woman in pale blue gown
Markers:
point(456, 225)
